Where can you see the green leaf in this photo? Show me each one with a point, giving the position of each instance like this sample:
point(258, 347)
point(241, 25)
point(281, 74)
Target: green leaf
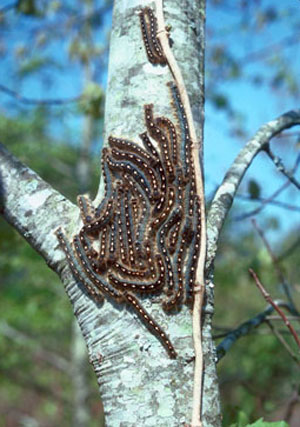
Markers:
point(220, 101)
point(91, 100)
point(242, 420)
point(262, 423)
point(28, 7)
point(253, 189)
point(32, 65)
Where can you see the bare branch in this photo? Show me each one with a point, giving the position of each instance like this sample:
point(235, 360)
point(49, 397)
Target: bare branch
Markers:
point(20, 338)
point(270, 199)
point(225, 194)
point(278, 270)
point(33, 101)
point(274, 317)
point(264, 203)
point(281, 168)
point(269, 299)
point(245, 328)
point(292, 405)
point(263, 53)
point(28, 382)
point(283, 341)
point(241, 331)
point(289, 250)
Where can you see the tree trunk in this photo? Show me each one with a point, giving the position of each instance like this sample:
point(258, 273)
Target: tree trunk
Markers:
point(139, 383)
point(145, 387)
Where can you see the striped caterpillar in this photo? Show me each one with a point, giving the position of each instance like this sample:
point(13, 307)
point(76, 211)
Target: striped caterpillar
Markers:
point(144, 236)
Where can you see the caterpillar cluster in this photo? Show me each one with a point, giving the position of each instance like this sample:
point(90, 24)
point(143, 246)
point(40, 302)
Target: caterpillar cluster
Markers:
point(143, 238)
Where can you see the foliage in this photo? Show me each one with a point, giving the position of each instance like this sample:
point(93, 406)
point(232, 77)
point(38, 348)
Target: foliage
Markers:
point(33, 302)
point(59, 49)
point(243, 421)
point(249, 372)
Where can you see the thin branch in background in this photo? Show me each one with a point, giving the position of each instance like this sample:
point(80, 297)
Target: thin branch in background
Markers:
point(264, 204)
point(246, 328)
point(32, 101)
point(278, 270)
point(291, 406)
point(269, 299)
point(297, 318)
point(287, 135)
point(269, 50)
point(269, 199)
point(226, 192)
point(28, 382)
point(283, 342)
point(222, 334)
point(289, 250)
point(281, 168)
point(71, 22)
point(58, 362)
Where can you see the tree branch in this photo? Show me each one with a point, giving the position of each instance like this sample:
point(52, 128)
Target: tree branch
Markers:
point(20, 338)
point(289, 250)
point(264, 203)
point(283, 341)
point(33, 101)
point(281, 168)
point(270, 199)
point(25, 202)
point(245, 328)
point(225, 194)
point(279, 272)
point(270, 300)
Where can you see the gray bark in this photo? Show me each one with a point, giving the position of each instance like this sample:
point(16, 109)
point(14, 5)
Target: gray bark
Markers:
point(167, 393)
point(139, 384)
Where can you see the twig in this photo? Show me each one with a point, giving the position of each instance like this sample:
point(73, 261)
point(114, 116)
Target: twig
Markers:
point(225, 194)
point(33, 101)
point(289, 250)
point(283, 341)
point(246, 327)
point(20, 338)
point(297, 318)
point(264, 52)
point(269, 201)
point(197, 156)
point(278, 270)
point(281, 168)
point(288, 135)
point(269, 299)
point(264, 203)
point(243, 216)
point(271, 198)
point(293, 401)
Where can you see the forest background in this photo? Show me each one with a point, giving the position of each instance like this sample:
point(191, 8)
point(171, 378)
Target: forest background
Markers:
point(52, 88)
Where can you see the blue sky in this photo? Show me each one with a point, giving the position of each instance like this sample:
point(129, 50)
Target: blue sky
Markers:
point(237, 30)
point(257, 104)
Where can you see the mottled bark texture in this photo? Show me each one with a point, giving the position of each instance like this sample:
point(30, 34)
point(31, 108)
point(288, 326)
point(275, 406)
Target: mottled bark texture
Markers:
point(139, 384)
point(156, 391)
